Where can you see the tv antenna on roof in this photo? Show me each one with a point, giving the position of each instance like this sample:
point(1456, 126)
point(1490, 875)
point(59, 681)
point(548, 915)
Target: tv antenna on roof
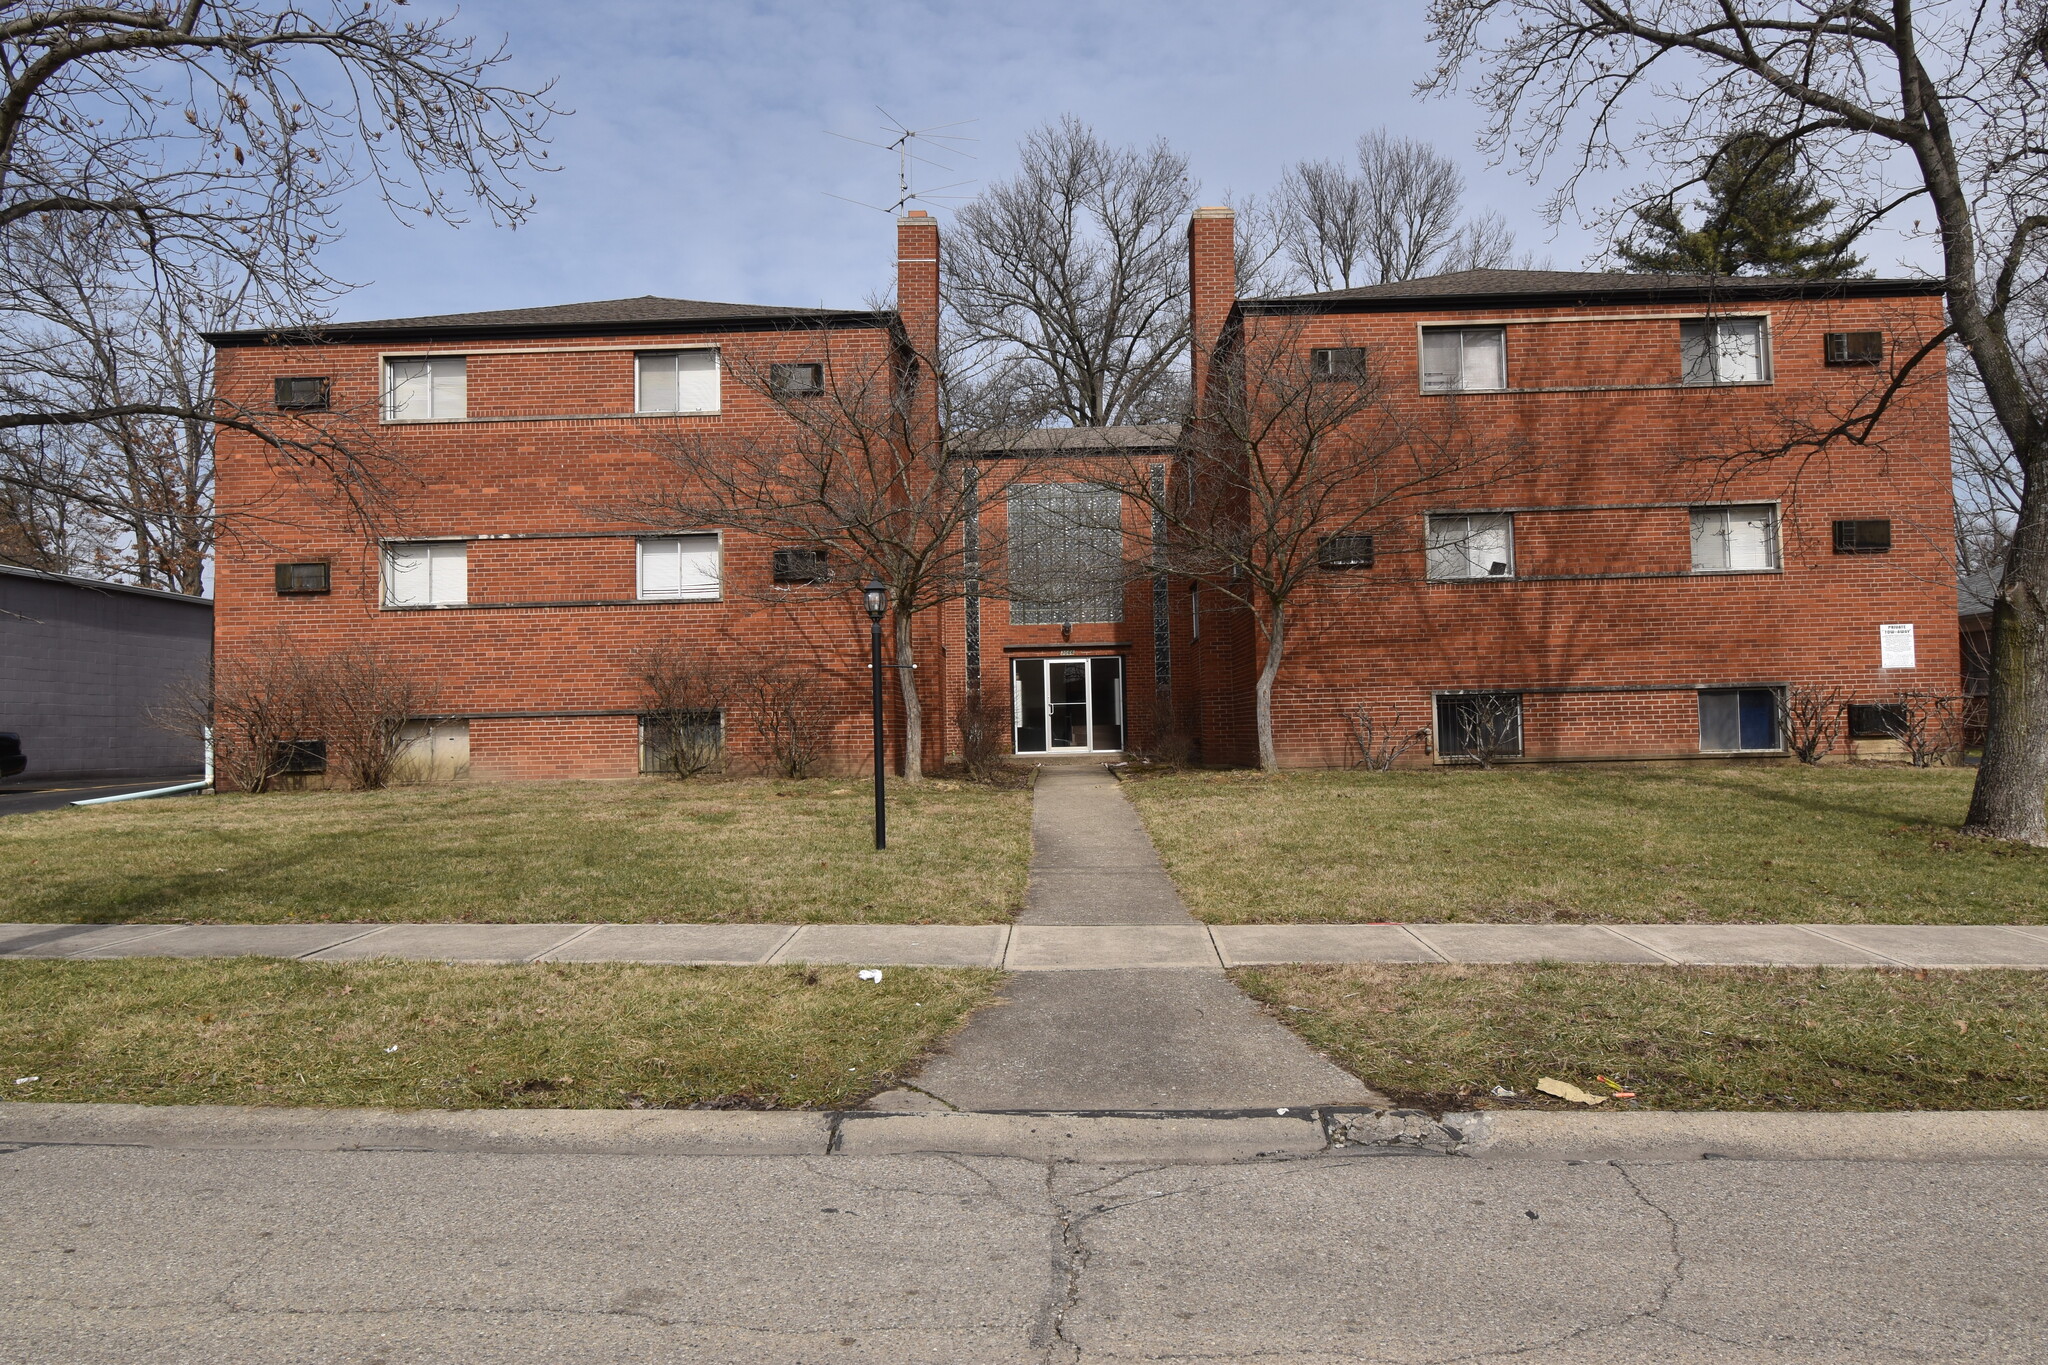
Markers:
point(922, 146)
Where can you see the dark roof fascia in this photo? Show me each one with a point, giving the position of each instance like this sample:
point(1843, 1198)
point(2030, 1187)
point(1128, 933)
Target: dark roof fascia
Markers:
point(343, 334)
point(98, 585)
point(1425, 303)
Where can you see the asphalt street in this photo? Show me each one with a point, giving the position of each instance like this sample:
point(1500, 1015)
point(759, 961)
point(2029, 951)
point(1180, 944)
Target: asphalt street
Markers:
point(22, 795)
point(139, 1253)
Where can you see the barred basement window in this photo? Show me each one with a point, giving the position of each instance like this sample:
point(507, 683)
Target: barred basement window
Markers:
point(807, 377)
point(1337, 362)
point(308, 579)
point(802, 564)
point(1479, 726)
point(1855, 348)
point(301, 393)
point(681, 743)
point(1877, 722)
point(1872, 537)
point(299, 757)
point(1345, 552)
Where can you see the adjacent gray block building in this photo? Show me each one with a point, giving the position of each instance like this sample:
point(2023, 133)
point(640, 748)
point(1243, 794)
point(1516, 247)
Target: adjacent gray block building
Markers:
point(82, 666)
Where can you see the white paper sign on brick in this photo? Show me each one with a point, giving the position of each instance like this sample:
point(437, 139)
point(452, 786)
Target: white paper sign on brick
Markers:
point(1895, 646)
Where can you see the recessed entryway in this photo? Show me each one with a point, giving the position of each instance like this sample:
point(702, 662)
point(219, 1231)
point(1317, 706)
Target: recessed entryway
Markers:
point(1068, 705)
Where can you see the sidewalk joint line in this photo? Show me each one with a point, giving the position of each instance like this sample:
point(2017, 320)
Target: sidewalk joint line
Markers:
point(1626, 937)
point(1819, 931)
point(154, 931)
point(774, 955)
point(340, 942)
point(1419, 941)
point(549, 951)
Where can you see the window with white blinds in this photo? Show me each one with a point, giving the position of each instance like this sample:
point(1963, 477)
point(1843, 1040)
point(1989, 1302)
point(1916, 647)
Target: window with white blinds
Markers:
point(677, 381)
point(1734, 539)
point(680, 568)
point(1464, 359)
point(1472, 546)
point(427, 573)
point(428, 389)
point(1724, 351)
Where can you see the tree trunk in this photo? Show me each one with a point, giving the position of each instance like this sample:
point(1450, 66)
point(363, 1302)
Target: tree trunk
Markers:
point(2012, 781)
point(1276, 636)
point(913, 709)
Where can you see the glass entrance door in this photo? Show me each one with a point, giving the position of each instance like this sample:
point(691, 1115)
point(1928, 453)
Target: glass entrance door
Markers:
point(1067, 705)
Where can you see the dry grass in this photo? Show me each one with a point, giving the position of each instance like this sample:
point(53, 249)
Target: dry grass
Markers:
point(1757, 1038)
point(436, 1035)
point(750, 850)
point(1649, 843)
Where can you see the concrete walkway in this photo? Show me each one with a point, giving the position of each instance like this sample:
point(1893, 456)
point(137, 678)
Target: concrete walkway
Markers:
point(1152, 1025)
point(1050, 939)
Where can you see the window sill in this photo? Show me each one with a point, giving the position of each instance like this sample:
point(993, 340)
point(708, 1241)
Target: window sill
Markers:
point(1745, 753)
point(539, 417)
point(577, 602)
point(1600, 388)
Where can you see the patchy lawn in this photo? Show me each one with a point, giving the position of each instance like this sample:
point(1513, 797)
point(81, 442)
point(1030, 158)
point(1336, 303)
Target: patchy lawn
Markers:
point(1650, 843)
point(435, 1035)
point(741, 851)
point(1442, 1037)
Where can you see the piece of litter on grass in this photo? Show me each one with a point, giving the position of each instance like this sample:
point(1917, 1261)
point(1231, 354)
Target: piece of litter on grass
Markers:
point(24, 1080)
point(392, 1048)
point(1501, 1092)
point(1565, 1090)
point(870, 974)
point(1279, 1111)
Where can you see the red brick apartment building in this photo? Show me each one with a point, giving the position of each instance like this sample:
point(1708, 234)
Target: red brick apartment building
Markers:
point(1619, 595)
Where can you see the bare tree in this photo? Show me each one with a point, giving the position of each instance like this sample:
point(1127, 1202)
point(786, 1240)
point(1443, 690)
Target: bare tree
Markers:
point(856, 471)
point(1810, 718)
point(1381, 741)
point(1939, 106)
point(984, 733)
point(1397, 215)
point(198, 150)
point(1279, 465)
point(358, 705)
point(793, 710)
point(1067, 284)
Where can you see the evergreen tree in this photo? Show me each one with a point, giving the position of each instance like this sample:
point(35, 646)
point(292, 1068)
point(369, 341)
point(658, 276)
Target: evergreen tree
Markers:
point(1762, 217)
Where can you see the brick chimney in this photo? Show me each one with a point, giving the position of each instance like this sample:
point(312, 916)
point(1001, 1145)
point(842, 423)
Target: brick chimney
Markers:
point(1212, 286)
point(917, 280)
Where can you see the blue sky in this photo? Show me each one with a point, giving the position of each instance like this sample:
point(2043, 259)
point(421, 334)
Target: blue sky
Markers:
point(699, 161)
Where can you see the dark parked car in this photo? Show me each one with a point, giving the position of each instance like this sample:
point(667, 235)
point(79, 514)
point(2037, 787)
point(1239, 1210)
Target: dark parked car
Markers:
point(11, 759)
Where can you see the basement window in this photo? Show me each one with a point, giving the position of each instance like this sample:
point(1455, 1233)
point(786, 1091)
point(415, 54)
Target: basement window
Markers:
point(302, 580)
point(1855, 348)
point(1479, 726)
point(676, 381)
point(1739, 720)
point(299, 757)
point(802, 564)
point(1464, 359)
point(1876, 722)
point(1345, 552)
point(301, 393)
point(1868, 537)
point(797, 380)
point(681, 743)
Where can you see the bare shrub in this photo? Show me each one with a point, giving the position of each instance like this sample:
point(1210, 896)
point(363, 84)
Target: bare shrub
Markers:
point(1810, 718)
point(262, 702)
point(792, 710)
point(684, 694)
point(1488, 728)
point(1380, 745)
point(359, 704)
point(983, 730)
point(1928, 727)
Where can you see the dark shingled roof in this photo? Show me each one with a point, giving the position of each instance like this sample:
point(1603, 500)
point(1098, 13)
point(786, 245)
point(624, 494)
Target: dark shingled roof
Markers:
point(648, 312)
point(1563, 286)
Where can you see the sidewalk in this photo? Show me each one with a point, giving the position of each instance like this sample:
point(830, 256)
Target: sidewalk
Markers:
point(1046, 940)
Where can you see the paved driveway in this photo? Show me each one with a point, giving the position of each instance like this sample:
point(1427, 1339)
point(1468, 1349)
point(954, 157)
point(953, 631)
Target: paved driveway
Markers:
point(20, 795)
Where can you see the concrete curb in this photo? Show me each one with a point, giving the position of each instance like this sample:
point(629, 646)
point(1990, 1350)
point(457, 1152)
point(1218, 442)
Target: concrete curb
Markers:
point(1095, 1136)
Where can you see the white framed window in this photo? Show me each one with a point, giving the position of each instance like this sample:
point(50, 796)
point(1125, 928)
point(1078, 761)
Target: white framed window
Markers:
point(1735, 539)
point(679, 568)
point(1741, 719)
point(426, 573)
point(426, 388)
point(676, 381)
point(1471, 545)
point(1464, 359)
point(1724, 351)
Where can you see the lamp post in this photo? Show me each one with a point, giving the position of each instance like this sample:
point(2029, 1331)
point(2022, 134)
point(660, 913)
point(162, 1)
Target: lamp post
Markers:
point(875, 596)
